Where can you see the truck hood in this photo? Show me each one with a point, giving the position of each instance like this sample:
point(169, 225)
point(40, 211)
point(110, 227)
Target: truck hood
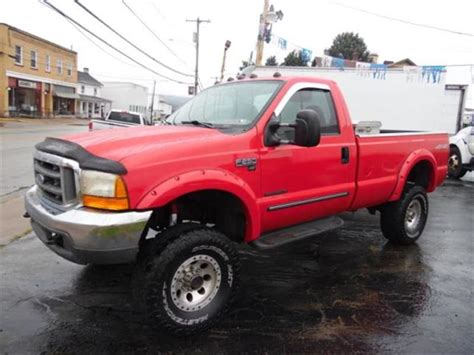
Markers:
point(120, 143)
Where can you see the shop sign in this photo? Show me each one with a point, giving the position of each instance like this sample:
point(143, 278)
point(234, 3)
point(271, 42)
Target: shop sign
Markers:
point(454, 87)
point(26, 84)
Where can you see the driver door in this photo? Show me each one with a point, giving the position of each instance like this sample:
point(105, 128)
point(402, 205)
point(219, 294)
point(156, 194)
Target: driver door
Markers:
point(301, 184)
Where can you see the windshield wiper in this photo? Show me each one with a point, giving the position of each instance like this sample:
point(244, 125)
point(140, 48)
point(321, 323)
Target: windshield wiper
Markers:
point(199, 123)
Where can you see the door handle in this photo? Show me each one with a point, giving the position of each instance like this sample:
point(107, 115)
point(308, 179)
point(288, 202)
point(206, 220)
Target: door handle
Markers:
point(345, 155)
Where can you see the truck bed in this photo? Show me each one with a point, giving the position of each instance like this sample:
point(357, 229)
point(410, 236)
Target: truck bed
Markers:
point(381, 158)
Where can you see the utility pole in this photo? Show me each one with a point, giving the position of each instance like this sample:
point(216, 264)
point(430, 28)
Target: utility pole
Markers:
point(226, 47)
point(152, 101)
point(196, 40)
point(267, 19)
point(261, 33)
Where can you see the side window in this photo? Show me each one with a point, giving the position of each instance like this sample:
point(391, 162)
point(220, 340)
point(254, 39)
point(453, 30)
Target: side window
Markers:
point(313, 99)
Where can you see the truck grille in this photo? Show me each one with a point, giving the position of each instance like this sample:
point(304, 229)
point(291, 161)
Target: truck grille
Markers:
point(56, 182)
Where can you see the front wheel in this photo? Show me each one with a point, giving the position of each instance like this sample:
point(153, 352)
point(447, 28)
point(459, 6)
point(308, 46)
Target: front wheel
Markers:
point(403, 221)
point(455, 169)
point(191, 282)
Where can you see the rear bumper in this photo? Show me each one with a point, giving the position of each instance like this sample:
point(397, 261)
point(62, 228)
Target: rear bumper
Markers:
point(87, 236)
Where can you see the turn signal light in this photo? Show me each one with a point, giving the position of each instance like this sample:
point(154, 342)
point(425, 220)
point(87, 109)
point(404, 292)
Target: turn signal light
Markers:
point(105, 203)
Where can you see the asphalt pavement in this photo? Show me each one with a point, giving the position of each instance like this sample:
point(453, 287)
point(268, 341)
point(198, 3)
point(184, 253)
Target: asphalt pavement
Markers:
point(345, 291)
point(17, 141)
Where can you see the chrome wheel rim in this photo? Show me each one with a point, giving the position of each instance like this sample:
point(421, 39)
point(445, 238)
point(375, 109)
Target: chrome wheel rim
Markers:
point(413, 217)
point(195, 283)
point(453, 162)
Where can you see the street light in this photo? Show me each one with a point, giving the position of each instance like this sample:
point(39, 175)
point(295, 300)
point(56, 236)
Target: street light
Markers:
point(226, 47)
point(273, 16)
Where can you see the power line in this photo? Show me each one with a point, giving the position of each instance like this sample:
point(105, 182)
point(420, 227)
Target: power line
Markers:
point(402, 21)
point(128, 41)
point(123, 77)
point(46, 3)
point(97, 45)
point(152, 32)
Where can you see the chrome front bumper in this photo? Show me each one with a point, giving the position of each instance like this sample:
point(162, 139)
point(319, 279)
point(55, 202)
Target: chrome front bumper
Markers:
point(87, 236)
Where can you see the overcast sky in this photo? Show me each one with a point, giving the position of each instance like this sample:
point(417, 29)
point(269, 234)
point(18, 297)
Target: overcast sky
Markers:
point(310, 24)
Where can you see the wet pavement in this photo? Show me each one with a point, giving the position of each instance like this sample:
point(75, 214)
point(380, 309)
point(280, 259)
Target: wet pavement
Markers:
point(348, 290)
point(17, 141)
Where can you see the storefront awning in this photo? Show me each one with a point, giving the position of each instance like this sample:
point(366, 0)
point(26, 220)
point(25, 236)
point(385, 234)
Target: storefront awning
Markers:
point(66, 95)
point(93, 98)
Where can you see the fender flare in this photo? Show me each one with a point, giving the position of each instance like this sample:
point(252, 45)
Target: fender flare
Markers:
point(409, 163)
point(201, 180)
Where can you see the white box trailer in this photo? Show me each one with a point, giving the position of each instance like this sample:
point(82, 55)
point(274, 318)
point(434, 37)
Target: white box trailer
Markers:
point(401, 99)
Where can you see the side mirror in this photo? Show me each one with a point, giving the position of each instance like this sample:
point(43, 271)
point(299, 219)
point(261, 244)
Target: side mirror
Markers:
point(307, 130)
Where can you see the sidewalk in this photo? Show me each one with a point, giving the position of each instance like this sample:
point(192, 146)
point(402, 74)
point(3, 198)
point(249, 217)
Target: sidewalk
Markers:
point(44, 121)
point(12, 224)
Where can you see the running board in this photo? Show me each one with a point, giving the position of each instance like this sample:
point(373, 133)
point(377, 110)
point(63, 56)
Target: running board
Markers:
point(296, 233)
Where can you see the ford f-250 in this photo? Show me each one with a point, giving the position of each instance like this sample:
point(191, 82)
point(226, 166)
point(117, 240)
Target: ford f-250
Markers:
point(258, 161)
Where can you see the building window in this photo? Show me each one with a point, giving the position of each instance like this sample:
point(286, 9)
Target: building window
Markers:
point(18, 55)
point(59, 66)
point(69, 69)
point(95, 91)
point(48, 63)
point(34, 59)
point(83, 89)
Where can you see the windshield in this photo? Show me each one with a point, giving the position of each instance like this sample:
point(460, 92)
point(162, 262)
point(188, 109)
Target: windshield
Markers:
point(235, 105)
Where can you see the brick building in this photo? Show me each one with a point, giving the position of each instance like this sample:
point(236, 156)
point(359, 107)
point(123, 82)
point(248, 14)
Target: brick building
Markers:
point(37, 77)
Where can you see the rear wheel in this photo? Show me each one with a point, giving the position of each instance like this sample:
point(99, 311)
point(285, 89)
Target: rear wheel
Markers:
point(403, 221)
point(455, 169)
point(190, 283)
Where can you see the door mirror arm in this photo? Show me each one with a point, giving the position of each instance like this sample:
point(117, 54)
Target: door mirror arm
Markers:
point(306, 126)
point(271, 138)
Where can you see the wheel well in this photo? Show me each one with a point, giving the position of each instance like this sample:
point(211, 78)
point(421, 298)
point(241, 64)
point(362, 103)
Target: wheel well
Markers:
point(452, 145)
point(221, 209)
point(421, 174)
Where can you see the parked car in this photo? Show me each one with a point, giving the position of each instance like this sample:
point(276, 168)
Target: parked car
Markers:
point(119, 118)
point(461, 153)
point(259, 161)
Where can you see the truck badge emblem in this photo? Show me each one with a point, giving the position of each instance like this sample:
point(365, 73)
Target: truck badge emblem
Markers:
point(250, 163)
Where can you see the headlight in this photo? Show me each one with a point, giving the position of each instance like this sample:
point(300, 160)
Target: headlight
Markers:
point(103, 190)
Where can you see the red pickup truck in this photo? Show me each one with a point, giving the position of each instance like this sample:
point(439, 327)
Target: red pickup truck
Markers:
point(261, 161)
